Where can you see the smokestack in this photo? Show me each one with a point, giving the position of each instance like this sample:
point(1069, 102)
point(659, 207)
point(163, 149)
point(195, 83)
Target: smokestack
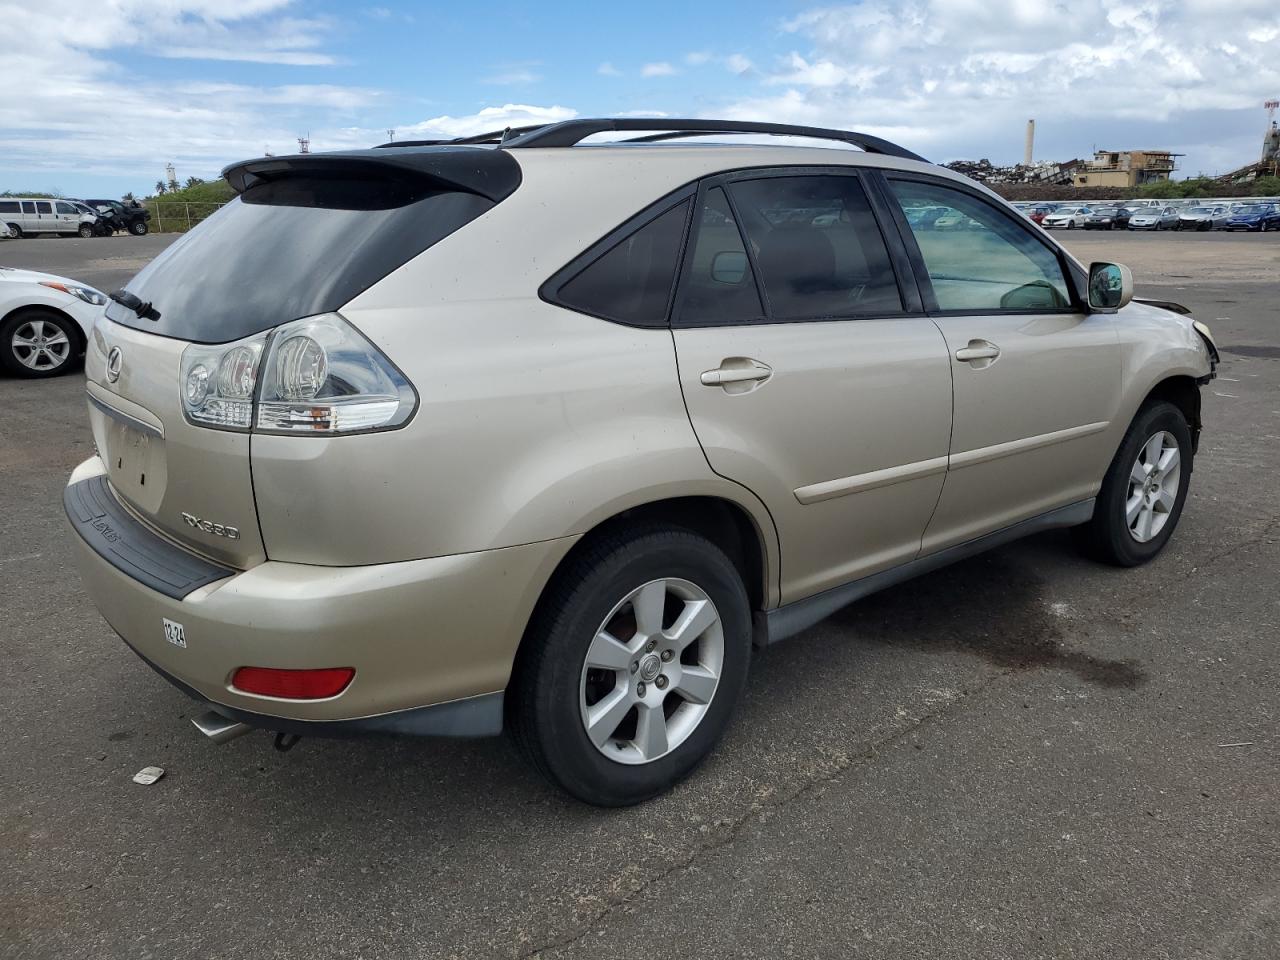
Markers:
point(1030, 144)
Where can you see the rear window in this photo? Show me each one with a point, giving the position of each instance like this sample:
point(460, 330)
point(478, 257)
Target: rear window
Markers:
point(291, 248)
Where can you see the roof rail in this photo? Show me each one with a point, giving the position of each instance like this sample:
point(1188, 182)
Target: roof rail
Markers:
point(493, 136)
point(568, 133)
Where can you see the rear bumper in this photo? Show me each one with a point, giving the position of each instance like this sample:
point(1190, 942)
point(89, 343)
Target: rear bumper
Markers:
point(420, 633)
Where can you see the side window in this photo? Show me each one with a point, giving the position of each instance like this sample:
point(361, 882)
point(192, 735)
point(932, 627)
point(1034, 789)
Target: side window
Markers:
point(632, 281)
point(44, 206)
point(64, 207)
point(28, 208)
point(977, 257)
point(719, 286)
point(9, 206)
point(817, 246)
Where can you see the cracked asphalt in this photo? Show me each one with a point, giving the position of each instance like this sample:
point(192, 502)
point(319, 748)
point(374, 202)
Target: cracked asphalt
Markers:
point(1025, 755)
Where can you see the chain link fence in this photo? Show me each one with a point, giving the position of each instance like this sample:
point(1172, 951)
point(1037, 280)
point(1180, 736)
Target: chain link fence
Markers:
point(178, 216)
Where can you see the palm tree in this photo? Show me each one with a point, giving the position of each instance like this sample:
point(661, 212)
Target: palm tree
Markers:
point(159, 187)
point(193, 181)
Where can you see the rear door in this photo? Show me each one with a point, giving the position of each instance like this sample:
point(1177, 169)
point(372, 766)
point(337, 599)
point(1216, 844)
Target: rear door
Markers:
point(46, 220)
point(807, 376)
point(1037, 378)
point(29, 220)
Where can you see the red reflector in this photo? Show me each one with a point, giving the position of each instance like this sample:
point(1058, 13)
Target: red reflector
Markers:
point(293, 684)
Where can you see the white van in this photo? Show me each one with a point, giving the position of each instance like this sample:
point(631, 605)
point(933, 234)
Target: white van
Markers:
point(35, 215)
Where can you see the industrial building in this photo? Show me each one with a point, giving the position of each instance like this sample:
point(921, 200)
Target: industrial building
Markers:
point(1125, 168)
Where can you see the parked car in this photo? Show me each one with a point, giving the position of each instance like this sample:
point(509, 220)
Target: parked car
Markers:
point(36, 215)
point(1037, 214)
point(5, 233)
point(1105, 218)
point(1153, 218)
point(132, 217)
point(44, 322)
point(547, 474)
point(1068, 217)
point(1252, 216)
point(1201, 217)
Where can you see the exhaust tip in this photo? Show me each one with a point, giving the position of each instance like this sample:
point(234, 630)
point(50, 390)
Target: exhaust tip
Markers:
point(218, 728)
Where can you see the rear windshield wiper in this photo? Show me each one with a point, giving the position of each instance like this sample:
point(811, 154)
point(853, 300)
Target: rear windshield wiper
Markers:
point(142, 308)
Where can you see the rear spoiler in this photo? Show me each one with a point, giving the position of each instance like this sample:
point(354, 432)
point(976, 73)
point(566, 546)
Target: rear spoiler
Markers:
point(493, 174)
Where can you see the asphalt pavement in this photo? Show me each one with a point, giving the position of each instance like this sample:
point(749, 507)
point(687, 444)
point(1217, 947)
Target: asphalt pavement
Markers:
point(1026, 755)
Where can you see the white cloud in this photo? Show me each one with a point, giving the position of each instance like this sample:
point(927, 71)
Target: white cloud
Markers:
point(960, 77)
point(490, 118)
point(607, 69)
point(659, 69)
point(698, 57)
point(737, 63)
point(516, 74)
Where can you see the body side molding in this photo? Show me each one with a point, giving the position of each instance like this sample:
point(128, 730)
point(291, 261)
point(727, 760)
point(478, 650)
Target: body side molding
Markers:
point(785, 621)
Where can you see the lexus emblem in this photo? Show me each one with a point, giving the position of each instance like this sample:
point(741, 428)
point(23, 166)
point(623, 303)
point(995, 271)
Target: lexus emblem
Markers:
point(115, 360)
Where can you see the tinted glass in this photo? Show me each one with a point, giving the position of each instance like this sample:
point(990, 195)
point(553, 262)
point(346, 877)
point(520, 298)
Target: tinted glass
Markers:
point(44, 206)
point(719, 287)
point(817, 247)
point(28, 207)
point(979, 258)
point(9, 206)
point(290, 248)
point(632, 282)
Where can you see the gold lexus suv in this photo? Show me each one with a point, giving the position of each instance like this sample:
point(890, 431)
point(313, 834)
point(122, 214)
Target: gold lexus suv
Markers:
point(523, 431)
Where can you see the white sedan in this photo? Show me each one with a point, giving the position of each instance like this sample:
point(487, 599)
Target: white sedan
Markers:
point(1069, 217)
point(44, 322)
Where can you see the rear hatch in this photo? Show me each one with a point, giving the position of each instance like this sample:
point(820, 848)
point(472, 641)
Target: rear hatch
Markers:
point(305, 236)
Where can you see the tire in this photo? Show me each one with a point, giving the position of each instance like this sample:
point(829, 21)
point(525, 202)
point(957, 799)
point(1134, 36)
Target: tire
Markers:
point(1108, 535)
point(86, 230)
point(57, 352)
point(15, 231)
point(1071, 224)
point(554, 689)
point(139, 228)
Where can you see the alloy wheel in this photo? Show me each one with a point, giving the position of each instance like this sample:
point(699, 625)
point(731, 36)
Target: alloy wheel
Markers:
point(651, 671)
point(1153, 486)
point(40, 345)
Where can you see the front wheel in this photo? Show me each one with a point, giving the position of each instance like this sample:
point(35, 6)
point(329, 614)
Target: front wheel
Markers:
point(633, 665)
point(138, 228)
point(86, 230)
point(37, 343)
point(1144, 490)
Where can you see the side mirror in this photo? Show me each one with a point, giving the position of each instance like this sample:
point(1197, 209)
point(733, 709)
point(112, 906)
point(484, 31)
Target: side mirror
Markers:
point(729, 266)
point(1110, 287)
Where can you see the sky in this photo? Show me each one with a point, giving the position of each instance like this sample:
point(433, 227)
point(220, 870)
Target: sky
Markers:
point(98, 95)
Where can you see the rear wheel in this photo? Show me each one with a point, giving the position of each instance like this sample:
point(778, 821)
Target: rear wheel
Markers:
point(15, 231)
point(633, 666)
point(37, 343)
point(1144, 490)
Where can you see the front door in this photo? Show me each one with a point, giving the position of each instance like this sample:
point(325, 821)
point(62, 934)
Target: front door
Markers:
point(805, 379)
point(1037, 378)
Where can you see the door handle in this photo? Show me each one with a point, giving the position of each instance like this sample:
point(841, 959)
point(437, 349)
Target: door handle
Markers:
point(977, 350)
point(741, 371)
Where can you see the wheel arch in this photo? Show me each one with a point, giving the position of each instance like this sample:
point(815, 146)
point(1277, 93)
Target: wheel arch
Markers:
point(1183, 392)
point(725, 522)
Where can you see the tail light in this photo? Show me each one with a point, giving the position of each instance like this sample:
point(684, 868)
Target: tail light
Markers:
point(318, 375)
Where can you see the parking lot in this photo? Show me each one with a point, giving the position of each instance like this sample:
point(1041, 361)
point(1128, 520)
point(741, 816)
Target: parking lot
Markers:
point(1024, 755)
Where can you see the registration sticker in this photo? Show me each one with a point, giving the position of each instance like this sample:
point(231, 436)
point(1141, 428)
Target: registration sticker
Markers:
point(174, 633)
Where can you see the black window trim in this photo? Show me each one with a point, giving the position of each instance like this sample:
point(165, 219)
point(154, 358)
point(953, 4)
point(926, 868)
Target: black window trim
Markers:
point(898, 256)
point(1077, 281)
point(549, 290)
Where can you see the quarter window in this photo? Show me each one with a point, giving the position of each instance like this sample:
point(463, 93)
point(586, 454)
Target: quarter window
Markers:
point(719, 286)
point(979, 259)
point(818, 247)
point(9, 206)
point(632, 281)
